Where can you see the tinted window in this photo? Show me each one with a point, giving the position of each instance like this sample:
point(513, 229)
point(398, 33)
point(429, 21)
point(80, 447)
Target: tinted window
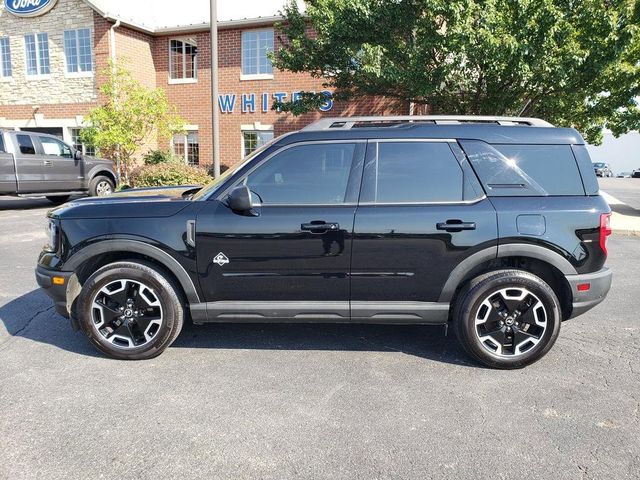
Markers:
point(525, 170)
point(26, 145)
point(306, 174)
point(51, 146)
point(413, 172)
point(2, 143)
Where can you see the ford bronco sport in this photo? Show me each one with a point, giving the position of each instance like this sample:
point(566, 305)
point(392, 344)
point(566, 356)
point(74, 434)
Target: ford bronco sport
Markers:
point(493, 225)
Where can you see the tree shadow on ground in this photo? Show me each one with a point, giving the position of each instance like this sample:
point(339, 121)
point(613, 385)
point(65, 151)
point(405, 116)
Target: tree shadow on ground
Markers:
point(32, 316)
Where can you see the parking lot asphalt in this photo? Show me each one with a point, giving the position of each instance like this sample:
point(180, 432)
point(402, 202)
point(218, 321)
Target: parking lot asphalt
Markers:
point(626, 190)
point(311, 401)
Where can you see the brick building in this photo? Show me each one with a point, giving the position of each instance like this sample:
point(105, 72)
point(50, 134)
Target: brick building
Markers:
point(53, 54)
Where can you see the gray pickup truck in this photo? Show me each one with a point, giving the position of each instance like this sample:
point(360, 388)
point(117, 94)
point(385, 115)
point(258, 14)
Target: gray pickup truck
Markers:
point(37, 164)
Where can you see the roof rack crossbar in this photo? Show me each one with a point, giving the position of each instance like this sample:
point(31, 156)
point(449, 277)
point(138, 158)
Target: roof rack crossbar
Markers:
point(347, 123)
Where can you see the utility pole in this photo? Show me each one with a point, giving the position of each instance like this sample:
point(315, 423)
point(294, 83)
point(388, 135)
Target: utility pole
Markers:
point(215, 112)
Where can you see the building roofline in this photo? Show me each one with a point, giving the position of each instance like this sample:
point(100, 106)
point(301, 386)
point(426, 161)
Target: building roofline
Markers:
point(196, 27)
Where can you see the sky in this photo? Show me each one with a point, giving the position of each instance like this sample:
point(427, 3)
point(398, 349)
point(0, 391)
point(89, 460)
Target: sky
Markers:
point(622, 154)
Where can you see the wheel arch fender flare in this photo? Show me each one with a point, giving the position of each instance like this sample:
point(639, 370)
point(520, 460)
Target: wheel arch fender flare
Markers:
point(139, 247)
point(500, 251)
point(102, 172)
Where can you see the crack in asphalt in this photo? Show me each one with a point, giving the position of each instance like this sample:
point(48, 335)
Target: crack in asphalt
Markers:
point(26, 325)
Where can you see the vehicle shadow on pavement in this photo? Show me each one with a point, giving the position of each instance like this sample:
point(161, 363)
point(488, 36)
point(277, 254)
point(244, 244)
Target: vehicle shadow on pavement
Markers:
point(33, 317)
point(427, 342)
point(24, 203)
point(625, 210)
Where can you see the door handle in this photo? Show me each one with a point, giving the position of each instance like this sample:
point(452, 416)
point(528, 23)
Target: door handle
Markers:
point(318, 226)
point(46, 163)
point(454, 225)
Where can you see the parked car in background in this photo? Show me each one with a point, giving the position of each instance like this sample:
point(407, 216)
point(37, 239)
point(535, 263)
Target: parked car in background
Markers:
point(636, 173)
point(38, 164)
point(493, 225)
point(602, 169)
point(624, 175)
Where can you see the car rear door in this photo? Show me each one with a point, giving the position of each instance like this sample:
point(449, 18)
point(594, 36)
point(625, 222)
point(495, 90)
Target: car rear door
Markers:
point(29, 165)
point(421, 212)
point(62, 172)
point(289, 258)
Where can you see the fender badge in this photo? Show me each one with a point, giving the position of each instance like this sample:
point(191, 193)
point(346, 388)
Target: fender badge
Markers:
point(221, 259)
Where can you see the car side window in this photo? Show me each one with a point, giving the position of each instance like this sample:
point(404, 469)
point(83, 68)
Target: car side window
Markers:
point(2, 149)
point(51, 146)
point(26, 145)
point(304, 175)
point(413, 172)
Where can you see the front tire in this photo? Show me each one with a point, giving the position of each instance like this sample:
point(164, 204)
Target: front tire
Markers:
point(130, 310)
point(101, 186)
point(507, 318)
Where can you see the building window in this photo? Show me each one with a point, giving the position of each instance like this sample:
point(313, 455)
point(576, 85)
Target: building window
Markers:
point(5, 57)
point(255, 139)
point(78, 145)
point(37, 53)
point(187, 147)
point(77, 50)
point(183, 59)
point(256, 45)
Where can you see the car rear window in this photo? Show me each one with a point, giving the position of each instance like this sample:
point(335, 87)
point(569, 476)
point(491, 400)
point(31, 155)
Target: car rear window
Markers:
point(26, 145)
point(413, 172)
point(525, 170)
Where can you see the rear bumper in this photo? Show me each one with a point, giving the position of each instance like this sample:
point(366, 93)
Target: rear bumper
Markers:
point(58, 293)
point(599, 285)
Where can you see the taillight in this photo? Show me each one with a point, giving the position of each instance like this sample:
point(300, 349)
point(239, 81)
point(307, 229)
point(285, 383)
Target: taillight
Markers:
point(605, 230)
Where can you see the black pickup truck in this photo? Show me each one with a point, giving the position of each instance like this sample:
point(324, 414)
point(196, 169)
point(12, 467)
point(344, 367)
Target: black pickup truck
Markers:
point(38, 164)
point(492, 225)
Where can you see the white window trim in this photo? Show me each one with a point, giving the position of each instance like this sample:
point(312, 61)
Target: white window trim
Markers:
point(37, 76)
point(6, 78)
point(257, 128)
point(174, 81)
point(188, 129)
point(78, 74)
point(255, 76)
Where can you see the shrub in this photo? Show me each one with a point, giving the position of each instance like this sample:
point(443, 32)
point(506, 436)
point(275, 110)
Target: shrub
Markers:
point(159, 156)
point(166, 174)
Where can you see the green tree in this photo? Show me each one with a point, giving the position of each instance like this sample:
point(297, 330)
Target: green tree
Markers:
point(129, 117)
point(572, 62)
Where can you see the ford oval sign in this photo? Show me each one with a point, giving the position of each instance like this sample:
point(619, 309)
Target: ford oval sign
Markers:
point(29, 8)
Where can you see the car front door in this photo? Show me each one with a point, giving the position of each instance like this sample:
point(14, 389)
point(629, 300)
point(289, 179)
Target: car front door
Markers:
point(62, 171)
point(290, 256)
point(421, 212)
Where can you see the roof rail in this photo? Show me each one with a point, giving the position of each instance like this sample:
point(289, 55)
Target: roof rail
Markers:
point(349, 122)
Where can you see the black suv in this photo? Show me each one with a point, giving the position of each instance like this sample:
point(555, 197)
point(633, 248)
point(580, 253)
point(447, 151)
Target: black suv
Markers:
point(493, 225)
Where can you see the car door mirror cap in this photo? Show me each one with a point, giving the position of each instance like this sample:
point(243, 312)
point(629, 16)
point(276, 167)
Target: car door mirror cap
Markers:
point(77, 155)
point(239, 199)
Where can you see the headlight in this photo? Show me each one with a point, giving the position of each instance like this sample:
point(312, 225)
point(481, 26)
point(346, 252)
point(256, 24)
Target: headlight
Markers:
point(53, 236)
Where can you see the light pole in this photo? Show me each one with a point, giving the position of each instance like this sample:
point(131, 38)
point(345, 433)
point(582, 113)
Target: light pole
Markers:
point(215, 112)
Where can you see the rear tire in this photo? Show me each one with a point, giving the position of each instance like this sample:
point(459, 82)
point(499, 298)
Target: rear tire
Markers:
point(130, 310)
point(101, 186)
point(57, 199)
point(507, 318)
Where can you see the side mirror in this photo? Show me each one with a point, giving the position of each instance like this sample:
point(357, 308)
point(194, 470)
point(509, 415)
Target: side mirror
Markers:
point(239, 199)
point(77, 155)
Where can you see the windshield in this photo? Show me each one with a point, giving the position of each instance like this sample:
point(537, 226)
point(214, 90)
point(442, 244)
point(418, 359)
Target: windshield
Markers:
point(210, 188)
point(598, 165)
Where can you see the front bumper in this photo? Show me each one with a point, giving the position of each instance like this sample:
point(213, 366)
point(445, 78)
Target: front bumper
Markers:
point(58, 293)
point(599, 285)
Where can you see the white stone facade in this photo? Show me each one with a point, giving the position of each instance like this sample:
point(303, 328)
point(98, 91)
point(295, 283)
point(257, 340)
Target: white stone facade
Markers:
point(59, 86)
